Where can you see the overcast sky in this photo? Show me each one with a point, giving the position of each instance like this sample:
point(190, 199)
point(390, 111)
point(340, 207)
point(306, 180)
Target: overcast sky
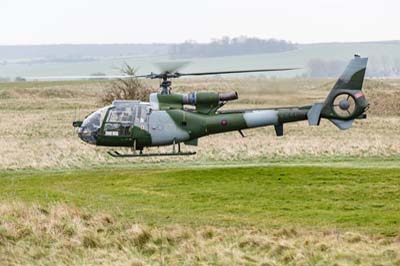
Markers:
point(145, 21)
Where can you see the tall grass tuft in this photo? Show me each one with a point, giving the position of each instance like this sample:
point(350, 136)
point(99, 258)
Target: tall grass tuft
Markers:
point(32, 234)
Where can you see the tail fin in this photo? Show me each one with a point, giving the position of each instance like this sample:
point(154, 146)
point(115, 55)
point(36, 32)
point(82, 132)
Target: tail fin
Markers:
point(353, 76)
point(345, 102)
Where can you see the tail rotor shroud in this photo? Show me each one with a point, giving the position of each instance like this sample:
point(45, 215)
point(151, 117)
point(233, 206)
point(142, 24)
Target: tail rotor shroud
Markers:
point(344, 105)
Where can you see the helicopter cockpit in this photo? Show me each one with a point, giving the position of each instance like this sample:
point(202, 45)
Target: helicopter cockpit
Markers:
point(115, 120)
point(90, 127)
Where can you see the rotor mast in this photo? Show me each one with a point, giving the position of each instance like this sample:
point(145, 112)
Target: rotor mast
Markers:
point(165, 86)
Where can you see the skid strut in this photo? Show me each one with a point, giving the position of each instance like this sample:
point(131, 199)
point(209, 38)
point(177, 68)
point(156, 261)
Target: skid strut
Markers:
point(122, 155)
point(116, 154)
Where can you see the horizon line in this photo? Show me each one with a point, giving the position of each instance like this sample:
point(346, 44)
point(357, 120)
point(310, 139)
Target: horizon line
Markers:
point(174, 43)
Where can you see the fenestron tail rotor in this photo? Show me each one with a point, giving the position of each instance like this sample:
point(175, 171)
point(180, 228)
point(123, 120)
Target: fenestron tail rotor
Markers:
point(344, 105)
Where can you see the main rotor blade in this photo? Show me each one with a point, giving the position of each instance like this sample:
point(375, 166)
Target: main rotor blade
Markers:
point(235, 71)
point(152, 75)
point(65, 78)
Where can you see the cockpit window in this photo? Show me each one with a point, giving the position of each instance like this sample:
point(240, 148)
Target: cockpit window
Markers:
point(91, 125)
point(119, 120)
point(121, 115)
point(142, 113)
point(93, 121)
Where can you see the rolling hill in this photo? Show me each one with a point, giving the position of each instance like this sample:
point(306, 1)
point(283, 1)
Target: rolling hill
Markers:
point(384, 60)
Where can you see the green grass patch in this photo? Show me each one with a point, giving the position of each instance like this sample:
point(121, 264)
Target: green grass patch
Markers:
point(365, 200)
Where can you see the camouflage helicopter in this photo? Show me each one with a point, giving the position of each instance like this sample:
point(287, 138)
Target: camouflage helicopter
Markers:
point(166, 120)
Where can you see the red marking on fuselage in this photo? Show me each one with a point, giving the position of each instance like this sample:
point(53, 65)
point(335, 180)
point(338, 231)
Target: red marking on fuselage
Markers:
point(358, 94)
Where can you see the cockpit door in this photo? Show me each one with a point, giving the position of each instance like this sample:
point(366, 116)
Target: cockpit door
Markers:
point(142, 117)
point(119, 121)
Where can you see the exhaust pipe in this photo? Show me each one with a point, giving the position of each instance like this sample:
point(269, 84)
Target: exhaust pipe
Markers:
point(228, 96)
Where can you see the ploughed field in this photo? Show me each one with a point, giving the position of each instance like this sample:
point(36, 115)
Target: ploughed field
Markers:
point(316, 195)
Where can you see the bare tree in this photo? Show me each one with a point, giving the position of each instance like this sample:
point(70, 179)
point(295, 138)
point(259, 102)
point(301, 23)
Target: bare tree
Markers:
point(129, 88)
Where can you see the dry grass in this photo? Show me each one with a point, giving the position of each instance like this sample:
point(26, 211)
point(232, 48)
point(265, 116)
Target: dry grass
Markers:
point(66, 235)
point(36, 132)
point(36, 119)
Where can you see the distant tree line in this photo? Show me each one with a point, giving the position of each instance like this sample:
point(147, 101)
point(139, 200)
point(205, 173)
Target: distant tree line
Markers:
point(65, 53)
point(383, 66)
point(79, 51)
point(229, 46)
point(377, 67)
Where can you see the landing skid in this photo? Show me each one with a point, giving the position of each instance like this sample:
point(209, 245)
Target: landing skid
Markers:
point(116, 154)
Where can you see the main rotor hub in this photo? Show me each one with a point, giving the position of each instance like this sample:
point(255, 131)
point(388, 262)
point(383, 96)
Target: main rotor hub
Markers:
point(164, 76)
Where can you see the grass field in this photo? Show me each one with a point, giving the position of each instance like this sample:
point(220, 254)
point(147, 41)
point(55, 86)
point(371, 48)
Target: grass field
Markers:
point(317, 196)
point(311, 197)
point(246, 215)
point(36, 123)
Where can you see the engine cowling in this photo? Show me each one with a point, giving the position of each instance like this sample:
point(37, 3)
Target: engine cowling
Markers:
point(205, 102)
point(210, 98)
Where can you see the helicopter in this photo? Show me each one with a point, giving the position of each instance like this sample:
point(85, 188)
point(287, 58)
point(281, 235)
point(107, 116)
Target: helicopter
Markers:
point(167, 120)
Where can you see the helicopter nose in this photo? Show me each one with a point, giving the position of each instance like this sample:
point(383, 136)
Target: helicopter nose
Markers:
point(88, 136)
